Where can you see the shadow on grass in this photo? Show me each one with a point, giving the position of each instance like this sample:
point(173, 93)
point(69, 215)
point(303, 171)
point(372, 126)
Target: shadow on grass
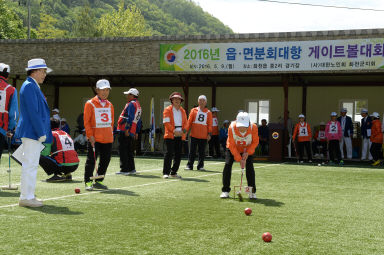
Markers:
point(120, 192)
point(9, 194)
point(145, 176)
point(51, 209)
point(194, 180)
point(267, 202)
point(63, 182)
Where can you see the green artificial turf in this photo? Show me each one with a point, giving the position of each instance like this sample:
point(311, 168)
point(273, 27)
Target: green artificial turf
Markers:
point(307, 209)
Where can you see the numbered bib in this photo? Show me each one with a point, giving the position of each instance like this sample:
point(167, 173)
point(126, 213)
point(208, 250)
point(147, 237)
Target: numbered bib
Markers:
point(137, 115)
point(333, 128)
point(3, 100)
point(321, 134)
point(215, 122)
point(242, 141)
point(303, 131)
point(103, 117)
point(66, 143)
point(201, 118)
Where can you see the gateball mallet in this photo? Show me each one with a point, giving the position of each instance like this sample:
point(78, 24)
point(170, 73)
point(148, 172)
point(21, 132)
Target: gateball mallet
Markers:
point(97, 176)
point(9, 186)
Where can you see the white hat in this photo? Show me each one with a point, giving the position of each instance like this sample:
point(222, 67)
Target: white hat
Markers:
point(214, 109)
point(5, 66)
point(56, 110)
point(301, 116)
point(242, 119)
point(363, 110)
point(225, 121)
point(63, 119)
point(322, 123)
point(103, 84)
point(202, 97)
point(56, 118)
point(375, 115)
point(344, 110)
point(333, 114)
point(132, 91)
point(37, 63)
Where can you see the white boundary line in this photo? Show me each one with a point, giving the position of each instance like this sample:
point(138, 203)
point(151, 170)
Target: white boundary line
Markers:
point(135, 186)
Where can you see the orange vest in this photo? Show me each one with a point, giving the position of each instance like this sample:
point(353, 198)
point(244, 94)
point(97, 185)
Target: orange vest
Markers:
point(200, 123)
point(303, 132)
point(169, 122)
point(98, 120)
point(237, 142)
point(376, 133)
point(215, 126)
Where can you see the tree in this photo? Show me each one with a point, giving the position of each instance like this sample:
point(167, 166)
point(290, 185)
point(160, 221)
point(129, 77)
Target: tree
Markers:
point(11, 26)
point(123, 23)
point(85, 24)
point(46, 28)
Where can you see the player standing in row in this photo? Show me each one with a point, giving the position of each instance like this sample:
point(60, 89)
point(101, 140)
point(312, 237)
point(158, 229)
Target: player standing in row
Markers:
point(242, 141)
point(366, 125)
point(333, 132)
point(376, 139)
point(175, 122)
point(347, 128)
point(128, 126)
point(98, 123)
point(200, 124)
point(8, 107)
point(214, 143)
point(319, 145)
point(304, 135)
point(34, 128)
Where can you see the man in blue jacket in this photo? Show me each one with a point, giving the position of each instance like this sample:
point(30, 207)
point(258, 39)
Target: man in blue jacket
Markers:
point(347, 128)
point(366, 125)
point(8, 107)
point(33, 128)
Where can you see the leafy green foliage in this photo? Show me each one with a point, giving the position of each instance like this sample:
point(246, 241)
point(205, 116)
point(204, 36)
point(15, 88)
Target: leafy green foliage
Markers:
point(11, 26)
point(81, 18)
point(47, 28)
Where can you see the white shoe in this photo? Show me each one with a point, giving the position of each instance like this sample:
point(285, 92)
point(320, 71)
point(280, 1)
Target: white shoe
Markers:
point(30, 203)
point(309, 161)
point(165, 176)
point(224, 195)
point(252, 196)
point(317, 155)
point(187, 168)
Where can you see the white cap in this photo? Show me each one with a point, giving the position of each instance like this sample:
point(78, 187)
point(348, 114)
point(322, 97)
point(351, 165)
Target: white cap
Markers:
point(322, 123)
point(301, 116)
point(375, 115)
point(132, 91)
point(214, 109)
point(5, 66)
point(103, 84)
point(56, 110)
point(202, 97)
point(225, 121)
point(37, 63)
point(56, 117)
point(333, 114)
point(363, 110)
point(242, 119)
point(63, 119)
point(344, 110)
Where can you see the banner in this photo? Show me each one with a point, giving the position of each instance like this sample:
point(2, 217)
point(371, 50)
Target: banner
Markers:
point(289, 56)
point(152, 132)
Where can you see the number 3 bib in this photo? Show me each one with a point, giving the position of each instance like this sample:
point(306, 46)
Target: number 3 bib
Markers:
point(103, 117)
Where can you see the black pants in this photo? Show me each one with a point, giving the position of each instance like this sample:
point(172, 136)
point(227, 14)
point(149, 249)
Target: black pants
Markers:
point(319, 147)
point(264, 146)
point(3, 143)
point(214, 145)
point(227, 172)
point(79, 146)
point(103, 150)
point(334, 150)
point(202, 143)
point(173, 151)
point(126, 152)
point(376, 151)
point(307, 146)
point(51, 166)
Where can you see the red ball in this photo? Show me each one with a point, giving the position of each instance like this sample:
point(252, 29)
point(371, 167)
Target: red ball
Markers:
point(248, 211)
point(77, 190)
point(267, 237)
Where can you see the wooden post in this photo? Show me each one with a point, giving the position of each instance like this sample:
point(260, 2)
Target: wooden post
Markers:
point(285, 86)
point(304, 101)
point(214, 95)
point(185, 86)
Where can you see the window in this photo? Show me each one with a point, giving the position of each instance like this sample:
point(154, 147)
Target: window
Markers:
point(258, 110)
point(354, 108)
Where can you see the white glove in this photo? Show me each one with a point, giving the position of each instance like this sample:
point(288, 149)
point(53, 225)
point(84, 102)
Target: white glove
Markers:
point(42, 138)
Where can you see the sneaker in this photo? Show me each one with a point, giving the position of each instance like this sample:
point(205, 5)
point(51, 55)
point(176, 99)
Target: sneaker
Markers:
point(188, 168)
point(56, 178)
point(165, 176)
point(122, 173)
point(99, 185)
point(133, 172)
point(224, 195)
point(30, 203)
point(252, 196)
point(317, 155)
point(201, 169)
point(89, 186)
point(309, 161)
point(376, 163)
point(300, 161)
point(176, 176)
point(68, 177)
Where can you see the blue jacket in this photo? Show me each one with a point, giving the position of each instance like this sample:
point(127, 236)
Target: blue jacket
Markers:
point(348, 129)
point(129, 114)
point(34, 119)
point(365, 125)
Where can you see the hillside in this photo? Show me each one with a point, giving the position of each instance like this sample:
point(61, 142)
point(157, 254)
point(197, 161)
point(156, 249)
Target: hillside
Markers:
point(162, 17)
